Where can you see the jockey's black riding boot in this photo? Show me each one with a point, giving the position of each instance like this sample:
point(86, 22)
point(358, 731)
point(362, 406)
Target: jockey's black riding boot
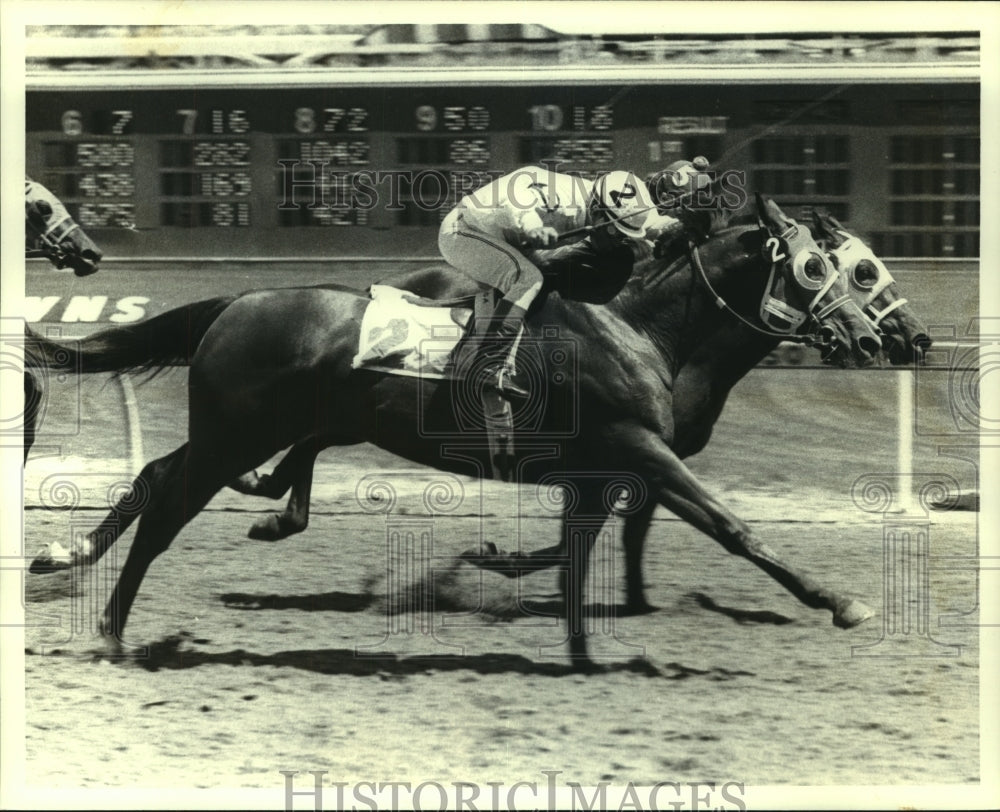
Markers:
point(497, 351)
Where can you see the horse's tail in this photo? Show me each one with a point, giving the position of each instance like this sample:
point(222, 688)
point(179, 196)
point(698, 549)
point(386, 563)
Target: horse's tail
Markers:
point(150, 346)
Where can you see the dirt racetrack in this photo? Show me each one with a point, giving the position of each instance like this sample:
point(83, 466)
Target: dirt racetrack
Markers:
point(265, 657)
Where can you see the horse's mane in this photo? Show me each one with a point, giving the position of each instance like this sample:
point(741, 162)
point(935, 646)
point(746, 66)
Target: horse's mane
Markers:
point(701, 225)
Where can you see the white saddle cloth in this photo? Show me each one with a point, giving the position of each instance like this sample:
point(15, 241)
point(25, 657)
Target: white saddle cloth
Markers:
point(403, 338)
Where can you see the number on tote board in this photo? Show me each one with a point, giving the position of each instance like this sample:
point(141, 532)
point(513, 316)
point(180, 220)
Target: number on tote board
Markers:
point(221, 122)
point(330, 120)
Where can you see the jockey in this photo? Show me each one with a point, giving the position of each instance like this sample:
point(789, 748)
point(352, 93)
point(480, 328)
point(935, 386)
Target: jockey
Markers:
point(501, 233)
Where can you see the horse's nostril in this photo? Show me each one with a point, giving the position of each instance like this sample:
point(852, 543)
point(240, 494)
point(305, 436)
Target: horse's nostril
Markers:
point(869, 345)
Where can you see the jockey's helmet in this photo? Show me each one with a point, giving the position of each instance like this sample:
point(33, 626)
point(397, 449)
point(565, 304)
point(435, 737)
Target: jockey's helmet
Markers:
point(678, 180)
point(622, 200)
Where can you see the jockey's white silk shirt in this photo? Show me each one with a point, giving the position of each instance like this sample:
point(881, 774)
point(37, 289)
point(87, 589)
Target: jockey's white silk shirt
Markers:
point(513, 206)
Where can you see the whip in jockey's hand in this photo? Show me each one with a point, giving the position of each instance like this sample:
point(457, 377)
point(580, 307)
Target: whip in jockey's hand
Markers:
point(536, 211)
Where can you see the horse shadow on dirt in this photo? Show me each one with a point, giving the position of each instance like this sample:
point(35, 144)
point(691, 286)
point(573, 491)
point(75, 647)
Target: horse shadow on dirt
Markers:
point(361, 601)
point(318, 602)
point(742, 616)
point(173, 653)
point(526, 607)
point(181, 652)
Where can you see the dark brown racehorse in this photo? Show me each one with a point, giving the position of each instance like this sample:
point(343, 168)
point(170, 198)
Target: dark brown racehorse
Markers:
point(50, 232)
point(274, 368)
point(700, 390)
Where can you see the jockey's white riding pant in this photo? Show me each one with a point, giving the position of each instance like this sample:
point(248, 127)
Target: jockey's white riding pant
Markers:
point(486, 258)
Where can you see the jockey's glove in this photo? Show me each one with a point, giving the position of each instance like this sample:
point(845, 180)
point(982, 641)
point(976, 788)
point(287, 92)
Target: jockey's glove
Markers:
point(542, 237)
point(663, 231)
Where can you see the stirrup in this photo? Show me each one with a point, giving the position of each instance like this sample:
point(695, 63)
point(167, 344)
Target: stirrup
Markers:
point(501, 380)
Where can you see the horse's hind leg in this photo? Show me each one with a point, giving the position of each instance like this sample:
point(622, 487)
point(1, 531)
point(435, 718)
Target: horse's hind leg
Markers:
point(32, 405)
point(295, 471)
point(296, 468)
point(90, 548)
point(183, 487)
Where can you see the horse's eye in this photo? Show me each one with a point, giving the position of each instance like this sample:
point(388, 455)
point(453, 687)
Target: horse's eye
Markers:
point(865, 274)
point(815, 269)
point(44, 209)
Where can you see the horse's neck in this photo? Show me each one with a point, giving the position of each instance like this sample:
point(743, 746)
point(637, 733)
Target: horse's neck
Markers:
point(735, 348)
point(670, 303)
point(730, 353)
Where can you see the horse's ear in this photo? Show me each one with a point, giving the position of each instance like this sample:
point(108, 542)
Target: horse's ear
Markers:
point(772, 217)
point(761, 206)
point(829, 230)
point(834, 223)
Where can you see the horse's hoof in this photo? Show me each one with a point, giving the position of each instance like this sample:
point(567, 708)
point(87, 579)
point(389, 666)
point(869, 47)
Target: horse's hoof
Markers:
point(488, 557)
point(481, 555)
point(111, 644)
point(582, 664)
point(266, 529)
point(852, 614)
point(640, 607)
point(51, 559)
point(109, 652)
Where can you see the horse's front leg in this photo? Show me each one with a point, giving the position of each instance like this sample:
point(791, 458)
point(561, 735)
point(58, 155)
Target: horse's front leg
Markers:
point(634, 533)
point(583, 519)
point(677, 489)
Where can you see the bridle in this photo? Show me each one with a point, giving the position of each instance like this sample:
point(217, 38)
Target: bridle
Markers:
point(885, 279)
point(787, 249)
point(50, 238)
